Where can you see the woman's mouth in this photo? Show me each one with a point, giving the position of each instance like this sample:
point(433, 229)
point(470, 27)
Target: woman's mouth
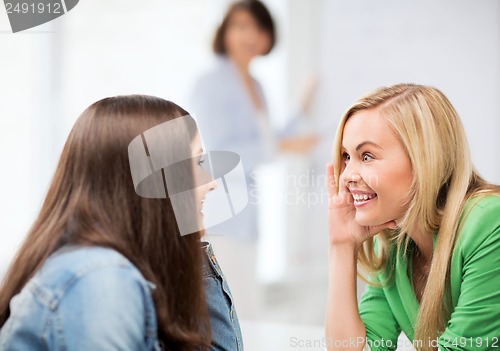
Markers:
point(362, 199)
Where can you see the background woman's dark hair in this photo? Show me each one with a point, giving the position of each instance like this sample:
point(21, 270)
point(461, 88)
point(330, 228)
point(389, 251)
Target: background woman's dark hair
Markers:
point(91, 201)
point(258, 11)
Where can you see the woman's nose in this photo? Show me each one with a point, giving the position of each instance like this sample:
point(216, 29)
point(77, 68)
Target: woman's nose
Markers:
point(350, 175)
point(212, 185)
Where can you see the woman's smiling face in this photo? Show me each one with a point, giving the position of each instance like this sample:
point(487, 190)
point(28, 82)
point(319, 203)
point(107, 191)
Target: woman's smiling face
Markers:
point(377, 170)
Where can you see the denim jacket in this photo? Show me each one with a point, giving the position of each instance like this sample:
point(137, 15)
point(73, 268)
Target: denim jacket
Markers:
point(226, 332)
point(93, 298)
point(89, 298)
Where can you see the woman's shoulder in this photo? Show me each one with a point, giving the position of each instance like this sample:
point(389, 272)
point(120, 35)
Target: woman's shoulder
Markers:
point(219, 72)
point(480, 222)
point(93, 296)
point(80, 260)
point(88, 268)
point(483, 208)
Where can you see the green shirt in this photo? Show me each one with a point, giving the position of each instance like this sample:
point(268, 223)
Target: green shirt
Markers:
point(475, 291)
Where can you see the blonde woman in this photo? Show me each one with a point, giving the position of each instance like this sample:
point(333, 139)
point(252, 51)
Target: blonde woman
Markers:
point(408, 206)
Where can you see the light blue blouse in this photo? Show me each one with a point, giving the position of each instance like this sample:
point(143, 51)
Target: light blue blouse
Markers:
point(229, 121)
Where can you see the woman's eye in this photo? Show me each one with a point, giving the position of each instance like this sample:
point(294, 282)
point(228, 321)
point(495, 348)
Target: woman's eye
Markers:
point(367, 157)
point(345, 156)
point(201, 161)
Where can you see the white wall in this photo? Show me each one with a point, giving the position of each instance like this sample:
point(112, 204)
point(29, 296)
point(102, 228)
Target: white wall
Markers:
point(23, 138)
point(453, 45)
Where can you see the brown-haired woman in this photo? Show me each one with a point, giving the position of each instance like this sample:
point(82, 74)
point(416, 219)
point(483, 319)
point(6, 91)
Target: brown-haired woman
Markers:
point(103, 268)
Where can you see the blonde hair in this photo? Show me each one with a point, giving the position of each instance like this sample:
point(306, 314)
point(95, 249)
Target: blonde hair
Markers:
point(443, 180)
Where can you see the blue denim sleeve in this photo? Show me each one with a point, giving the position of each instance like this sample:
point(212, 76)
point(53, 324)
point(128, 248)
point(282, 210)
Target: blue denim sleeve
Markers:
point(106, 309)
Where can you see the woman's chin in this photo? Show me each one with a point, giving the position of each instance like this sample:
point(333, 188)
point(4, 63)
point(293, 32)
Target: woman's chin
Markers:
point(367, 221)
point(370, 221)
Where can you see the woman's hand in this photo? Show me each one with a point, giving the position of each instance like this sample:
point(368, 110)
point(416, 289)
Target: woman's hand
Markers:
point(343, 228)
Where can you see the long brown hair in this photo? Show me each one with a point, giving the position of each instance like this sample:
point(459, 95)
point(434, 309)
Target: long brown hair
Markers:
point(91, 201)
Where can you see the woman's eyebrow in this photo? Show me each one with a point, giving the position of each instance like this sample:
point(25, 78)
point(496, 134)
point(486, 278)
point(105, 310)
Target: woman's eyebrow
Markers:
point(367, 142)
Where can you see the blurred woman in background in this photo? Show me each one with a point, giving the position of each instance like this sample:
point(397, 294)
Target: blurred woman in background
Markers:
point(232, 110)
point(230, 104)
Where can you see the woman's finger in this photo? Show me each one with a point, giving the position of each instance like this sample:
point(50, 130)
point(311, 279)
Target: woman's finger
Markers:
point(331, 184)
point(343, 187)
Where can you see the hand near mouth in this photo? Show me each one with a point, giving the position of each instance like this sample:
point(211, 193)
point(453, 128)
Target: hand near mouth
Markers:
point(343, 229)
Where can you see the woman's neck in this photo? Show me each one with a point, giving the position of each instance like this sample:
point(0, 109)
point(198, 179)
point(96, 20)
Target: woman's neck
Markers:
point(424, 244)
point(242, 65)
